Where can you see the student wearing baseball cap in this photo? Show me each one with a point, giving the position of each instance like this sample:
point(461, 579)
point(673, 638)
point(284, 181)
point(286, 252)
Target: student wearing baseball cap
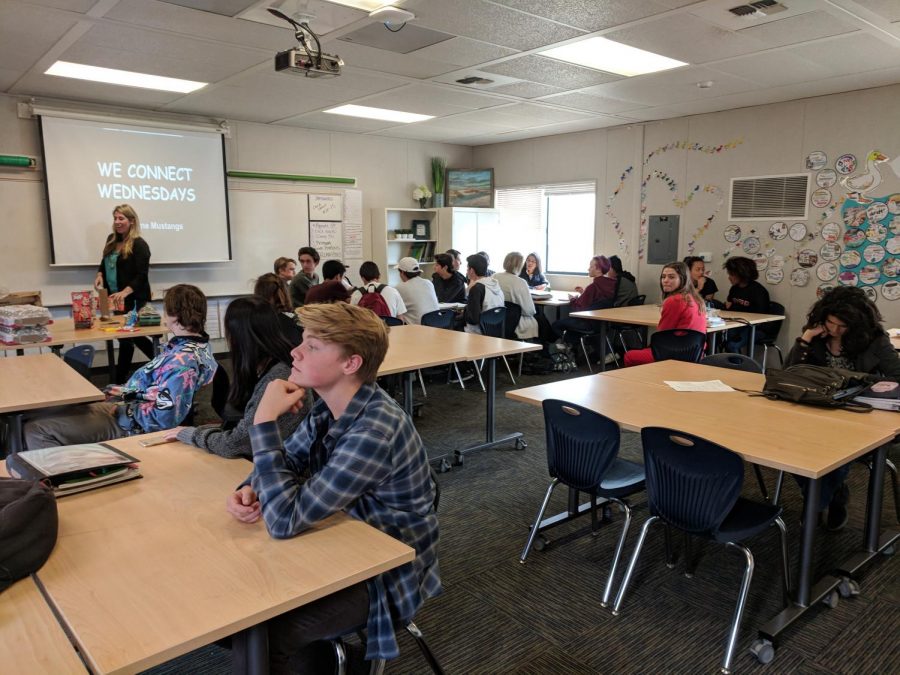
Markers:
point(417, 293)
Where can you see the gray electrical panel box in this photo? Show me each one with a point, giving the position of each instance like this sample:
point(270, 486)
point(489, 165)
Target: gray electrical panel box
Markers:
point(662, 240)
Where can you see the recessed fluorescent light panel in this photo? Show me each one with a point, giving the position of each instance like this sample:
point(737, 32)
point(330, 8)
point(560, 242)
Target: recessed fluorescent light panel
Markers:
point(367, 5)
point(124, 78)
point(612, 57)
point(378, 114)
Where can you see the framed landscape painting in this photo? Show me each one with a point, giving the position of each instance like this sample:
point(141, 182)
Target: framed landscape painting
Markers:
point(470, 187)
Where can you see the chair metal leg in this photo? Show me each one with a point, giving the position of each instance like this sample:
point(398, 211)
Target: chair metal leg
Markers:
point(521, 361)
point(632, 564)
point(731, 643)
point(780, 355)
point(462, 385)
point(759, 477)
point(765, 356)
point(690, 565)
point(537, 522)
point(508, 369)
point(413, 630)
point(785, 560)
point(587, 359)
point(776, 496)
point(478, 373)
point(422, 384)
point(670, 551)
point(340, 656)
point(377, 667)
point(893, 469)
point(607, 592)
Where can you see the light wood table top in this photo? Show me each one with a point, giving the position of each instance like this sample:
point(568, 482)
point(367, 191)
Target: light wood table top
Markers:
point(557, 299)
point(413, 347)
point(41, 381)
point(648, 315)
point(63, 331)
point(147, 570)
point(800, 439)
point(31, 639)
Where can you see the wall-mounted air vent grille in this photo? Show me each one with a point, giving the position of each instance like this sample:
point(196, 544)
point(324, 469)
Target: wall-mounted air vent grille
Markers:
point(768, 197)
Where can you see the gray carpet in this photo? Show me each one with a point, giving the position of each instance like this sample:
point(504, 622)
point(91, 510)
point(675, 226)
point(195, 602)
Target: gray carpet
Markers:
point(498, 616)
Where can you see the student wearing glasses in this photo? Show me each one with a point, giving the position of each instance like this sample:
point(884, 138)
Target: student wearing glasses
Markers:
point(844, 330)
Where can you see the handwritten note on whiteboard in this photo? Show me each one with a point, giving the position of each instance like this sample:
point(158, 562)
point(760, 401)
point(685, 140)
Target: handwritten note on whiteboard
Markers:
point(326, 207)
point(327, 239)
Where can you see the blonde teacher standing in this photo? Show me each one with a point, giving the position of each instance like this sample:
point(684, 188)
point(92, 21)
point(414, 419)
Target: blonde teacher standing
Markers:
point(123, 272)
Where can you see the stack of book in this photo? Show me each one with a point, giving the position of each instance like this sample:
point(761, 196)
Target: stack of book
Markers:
point(70, 469)
point(148, 316)
point(881, 395)
point(24, 324)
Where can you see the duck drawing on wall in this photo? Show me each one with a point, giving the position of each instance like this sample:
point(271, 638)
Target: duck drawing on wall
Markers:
point(859, 184)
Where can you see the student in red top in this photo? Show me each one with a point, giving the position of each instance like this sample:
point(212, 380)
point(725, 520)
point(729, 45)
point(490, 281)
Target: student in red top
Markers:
point(600, 294)
point(681, 308)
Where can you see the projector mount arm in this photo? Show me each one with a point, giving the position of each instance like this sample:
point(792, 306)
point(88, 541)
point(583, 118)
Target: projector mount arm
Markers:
point(301, 31)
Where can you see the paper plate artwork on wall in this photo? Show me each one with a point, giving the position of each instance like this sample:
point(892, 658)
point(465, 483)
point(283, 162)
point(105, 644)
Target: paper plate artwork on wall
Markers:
point(876, 233)
point(807, 258)
point(854, 216)
point(799, 277)
point(893, 204)
point(854, 237)
point(830, 251)
point(776, 262)
point(751, 245)
point(816, 160)
point(891, 267)
point(845, 164)
point(826, 271)
point(820, 198)
point(826, 178)
point(871, 293)
point(778, 231)
point(774, 276)
point(823, 289)
point(761, 260)
point(732, 233)
point(869, 274)
point(850, 258)
point(848, 278)
point(877, 212)
point(831, 232)
point(874, 253)
point(893, 245)
point(891, 290)
point(798, 231)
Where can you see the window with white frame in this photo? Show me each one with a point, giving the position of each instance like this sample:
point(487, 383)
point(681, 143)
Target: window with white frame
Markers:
point(556, 221)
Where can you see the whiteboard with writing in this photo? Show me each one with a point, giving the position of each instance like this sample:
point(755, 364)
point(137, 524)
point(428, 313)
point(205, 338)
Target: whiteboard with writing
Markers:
point(326, 207)
point(326, 238)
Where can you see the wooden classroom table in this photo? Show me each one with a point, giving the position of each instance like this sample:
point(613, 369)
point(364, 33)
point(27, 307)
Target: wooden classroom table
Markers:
point(556, 299)
point(802, 440)
point(39, 381)
point(648, 315)
point(31, 639)
point(147, 570)
point(413, 347)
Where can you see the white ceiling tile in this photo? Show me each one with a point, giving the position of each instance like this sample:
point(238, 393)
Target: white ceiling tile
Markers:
point(27, 33)
point(533, 68)
point(526, 89)
point(337, 123)
point(168, 17)
point(854, 53)
point(772, 69)
point(8, 78)
point(590, 15)
point(408, 65)
point(674, 86)
point(80, 6)
point(431, 100)
point(489, 22)
point(464, 52)
point(686, 38)
point(592, 103)
point(889, 9)
point(801, 28)
point(255, 104)
point(222, 7)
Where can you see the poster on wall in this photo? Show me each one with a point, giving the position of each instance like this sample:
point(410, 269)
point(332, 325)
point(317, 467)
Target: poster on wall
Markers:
point(327, 239)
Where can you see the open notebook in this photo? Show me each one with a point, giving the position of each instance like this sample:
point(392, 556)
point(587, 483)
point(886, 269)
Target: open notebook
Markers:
point(69, 469)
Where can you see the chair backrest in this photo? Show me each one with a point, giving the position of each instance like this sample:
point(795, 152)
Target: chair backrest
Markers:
point(692, 483)
point(492, 321)
point(733, 361)
point(680, 344)
point(581, 444)
point(440, 318)
point(81, 358)
point(513, 314)
point(391, 321)
point(634, 302)
point(768, 332)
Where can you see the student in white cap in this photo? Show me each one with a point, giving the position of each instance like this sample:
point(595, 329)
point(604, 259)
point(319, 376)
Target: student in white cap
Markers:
point(417, 293)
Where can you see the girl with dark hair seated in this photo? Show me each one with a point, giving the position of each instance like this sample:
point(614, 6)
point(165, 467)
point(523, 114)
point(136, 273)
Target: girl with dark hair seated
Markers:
point(746, 295)
point(626, 288)
point(705, 286)
point(272, 289)
point(844, 330)
point(260, 353)
point(532, 274)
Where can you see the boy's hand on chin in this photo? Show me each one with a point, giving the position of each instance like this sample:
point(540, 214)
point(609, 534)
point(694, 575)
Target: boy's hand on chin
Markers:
point(280, 397)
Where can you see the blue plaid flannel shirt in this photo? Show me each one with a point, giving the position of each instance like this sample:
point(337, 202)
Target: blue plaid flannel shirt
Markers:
point(370, 463)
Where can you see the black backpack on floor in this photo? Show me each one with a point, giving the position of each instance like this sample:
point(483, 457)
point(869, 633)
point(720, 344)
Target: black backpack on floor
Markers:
point(28, 528)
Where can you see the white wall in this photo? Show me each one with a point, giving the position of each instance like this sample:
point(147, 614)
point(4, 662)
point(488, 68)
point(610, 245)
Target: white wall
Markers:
point(386, 170)
point(770, 139)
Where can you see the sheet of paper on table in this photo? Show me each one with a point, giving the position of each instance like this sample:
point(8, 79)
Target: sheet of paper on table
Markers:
point(708, 385)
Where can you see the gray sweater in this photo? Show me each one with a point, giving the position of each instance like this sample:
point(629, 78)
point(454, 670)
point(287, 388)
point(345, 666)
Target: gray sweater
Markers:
point(236, 442)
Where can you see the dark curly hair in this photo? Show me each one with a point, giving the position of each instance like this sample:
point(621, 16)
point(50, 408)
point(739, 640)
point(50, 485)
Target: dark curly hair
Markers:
point(743, 268)
point(850, 305)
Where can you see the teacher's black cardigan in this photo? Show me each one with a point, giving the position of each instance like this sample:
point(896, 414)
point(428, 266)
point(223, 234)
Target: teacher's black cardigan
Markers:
point(132, 271)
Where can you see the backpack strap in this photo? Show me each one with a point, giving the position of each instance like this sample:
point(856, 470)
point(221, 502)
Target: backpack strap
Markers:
point(379, 288)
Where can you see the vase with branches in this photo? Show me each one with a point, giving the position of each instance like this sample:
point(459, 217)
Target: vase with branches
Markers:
point(438, 171)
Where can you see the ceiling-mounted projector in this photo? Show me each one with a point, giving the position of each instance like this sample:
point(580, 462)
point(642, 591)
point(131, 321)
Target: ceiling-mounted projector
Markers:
point(298, 62)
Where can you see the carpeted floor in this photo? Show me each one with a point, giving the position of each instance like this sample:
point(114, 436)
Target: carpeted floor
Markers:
point(498, 616)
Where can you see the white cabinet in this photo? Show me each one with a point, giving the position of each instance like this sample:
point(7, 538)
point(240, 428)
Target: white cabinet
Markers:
point(398, 233)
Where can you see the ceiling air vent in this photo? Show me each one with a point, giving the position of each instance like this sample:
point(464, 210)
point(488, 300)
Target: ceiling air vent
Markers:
point(767, 197)
point(758, 9)
point(475, 80)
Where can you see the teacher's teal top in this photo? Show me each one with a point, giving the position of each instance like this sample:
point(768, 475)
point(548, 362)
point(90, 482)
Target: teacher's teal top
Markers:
point(109, 263)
